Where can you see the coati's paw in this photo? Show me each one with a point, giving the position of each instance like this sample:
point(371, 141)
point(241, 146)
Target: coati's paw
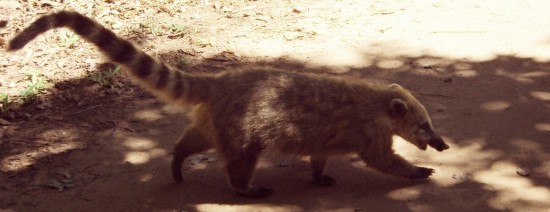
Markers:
point(421, 173)
point(176, 173)
point(256, 192)
point(324, 180)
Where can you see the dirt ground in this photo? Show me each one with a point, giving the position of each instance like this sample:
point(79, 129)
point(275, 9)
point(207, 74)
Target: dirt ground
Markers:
point(80, 141)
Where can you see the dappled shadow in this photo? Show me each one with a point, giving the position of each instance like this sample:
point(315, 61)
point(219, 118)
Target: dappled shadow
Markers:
point(115, 146)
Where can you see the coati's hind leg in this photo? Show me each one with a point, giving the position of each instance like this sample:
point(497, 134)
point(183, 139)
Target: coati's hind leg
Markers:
point(192, 141)
point(240, 167)
point(317, 166)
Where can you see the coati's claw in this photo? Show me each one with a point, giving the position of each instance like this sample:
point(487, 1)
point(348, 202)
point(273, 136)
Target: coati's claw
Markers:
point(421, 173)
point(256, 192)
point(324, 180)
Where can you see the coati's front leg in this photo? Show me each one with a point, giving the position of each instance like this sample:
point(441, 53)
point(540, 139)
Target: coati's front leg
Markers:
point(317, 166)
point(192, 141)
point(385, 160)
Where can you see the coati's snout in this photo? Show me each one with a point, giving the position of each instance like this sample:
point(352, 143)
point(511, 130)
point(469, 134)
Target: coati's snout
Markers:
point(438, 144)
point(434, 140)
point(429, 137)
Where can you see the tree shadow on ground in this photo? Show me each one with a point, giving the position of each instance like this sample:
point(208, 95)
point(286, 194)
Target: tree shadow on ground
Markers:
point(111, 148)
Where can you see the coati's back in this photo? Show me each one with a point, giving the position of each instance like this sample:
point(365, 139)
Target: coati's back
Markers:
point(300, 113)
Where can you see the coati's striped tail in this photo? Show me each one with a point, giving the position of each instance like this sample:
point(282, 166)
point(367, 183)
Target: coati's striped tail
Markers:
point(154, 75)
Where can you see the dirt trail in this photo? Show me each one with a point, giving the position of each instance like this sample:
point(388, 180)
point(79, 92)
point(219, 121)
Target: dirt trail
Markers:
point(480, 67)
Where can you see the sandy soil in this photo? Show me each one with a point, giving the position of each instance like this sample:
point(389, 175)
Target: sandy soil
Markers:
point(481, 68)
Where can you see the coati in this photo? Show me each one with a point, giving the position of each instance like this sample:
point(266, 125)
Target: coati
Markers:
point(244, 112)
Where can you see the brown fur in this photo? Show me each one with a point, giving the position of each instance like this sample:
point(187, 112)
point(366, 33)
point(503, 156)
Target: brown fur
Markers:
point(242, 113)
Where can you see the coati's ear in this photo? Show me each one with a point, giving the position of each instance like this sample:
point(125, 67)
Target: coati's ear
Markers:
point(398, 108)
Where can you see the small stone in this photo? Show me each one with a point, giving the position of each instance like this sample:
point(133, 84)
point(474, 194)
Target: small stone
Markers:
point(523, 172)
